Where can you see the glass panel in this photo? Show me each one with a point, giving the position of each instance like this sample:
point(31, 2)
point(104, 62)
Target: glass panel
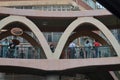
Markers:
point(88, 52)
point(47, 7)
point(49, 38)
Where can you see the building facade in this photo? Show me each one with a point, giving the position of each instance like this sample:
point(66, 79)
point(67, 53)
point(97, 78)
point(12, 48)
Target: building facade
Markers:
point(42, 31)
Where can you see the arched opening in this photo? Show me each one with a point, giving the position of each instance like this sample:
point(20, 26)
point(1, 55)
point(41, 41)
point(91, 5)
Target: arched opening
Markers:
point(30, 50)
point(87, 35)
point(78, 22)
point(24, 22)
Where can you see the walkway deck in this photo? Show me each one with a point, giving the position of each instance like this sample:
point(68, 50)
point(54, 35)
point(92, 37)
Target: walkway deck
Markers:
point(43, 66)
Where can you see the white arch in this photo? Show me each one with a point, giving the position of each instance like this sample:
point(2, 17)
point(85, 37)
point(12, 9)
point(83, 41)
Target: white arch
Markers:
point(34, 29)
point(65, 35)
point(80, 21)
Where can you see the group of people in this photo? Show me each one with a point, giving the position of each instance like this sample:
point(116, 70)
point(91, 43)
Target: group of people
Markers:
point(89, 46)
point(7, 48)
point(84, 52)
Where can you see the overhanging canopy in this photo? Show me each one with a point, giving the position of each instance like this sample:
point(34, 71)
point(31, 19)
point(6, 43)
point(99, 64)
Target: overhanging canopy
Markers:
point(111, 5)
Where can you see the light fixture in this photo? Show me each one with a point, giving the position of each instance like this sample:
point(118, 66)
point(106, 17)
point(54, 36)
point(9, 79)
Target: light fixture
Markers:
point(16, 31)
point(3, 30)
point(45, 23)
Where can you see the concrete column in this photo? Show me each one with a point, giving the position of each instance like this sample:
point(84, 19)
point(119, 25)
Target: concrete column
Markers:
point(2, 76)
point(52, 77)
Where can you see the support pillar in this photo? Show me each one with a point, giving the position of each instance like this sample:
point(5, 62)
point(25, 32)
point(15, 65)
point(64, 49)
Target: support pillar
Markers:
point(2, 76)
point(52, 77)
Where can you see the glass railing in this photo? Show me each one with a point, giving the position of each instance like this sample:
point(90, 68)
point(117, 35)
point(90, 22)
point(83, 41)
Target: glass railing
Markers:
point(69, 53)
point(20, 52)
point(89, 52)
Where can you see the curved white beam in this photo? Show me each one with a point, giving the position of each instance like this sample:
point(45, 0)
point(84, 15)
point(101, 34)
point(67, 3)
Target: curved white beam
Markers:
point(77, 23)
point(33, 28)
point(65, 35)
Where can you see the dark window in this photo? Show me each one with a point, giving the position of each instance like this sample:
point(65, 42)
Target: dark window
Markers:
point(49, 38)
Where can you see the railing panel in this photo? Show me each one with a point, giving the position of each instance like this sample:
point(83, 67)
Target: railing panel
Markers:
point(20, 52)
point(89, 52)
point(69, 53)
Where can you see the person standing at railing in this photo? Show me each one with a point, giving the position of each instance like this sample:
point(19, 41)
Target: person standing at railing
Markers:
point(12, 47)
point(72, 50)
point(5, 45)
point(88, 47)
point(82, 52)
point(97, 45)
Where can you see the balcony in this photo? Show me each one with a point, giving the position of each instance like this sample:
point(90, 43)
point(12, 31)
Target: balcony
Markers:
point(89, 52)
point(69, 53)
point(20, 52)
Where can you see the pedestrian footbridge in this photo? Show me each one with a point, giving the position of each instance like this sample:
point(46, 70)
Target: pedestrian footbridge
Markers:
point(61, 66)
